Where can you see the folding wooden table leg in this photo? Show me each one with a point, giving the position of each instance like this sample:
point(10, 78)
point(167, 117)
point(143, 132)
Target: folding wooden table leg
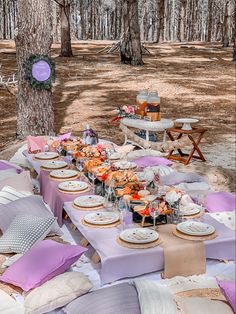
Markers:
point(195, 147)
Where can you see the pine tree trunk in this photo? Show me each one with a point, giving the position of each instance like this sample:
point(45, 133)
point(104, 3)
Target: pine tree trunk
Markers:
point(160, 19)
point(210, 9)
point(226, 26)
point(34, 107)
point(66, 50)
point(130, 50)
point(234, 35)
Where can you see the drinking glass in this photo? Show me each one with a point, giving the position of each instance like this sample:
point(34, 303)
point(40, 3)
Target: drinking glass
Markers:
point(154, 211)
point(92, 177)
point(59, 149)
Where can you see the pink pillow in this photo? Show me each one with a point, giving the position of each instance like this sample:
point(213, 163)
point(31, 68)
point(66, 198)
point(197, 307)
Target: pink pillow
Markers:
point(41, 263)
point(20, 182)
point(229, 291)
point(151, 161)
point(220, 202)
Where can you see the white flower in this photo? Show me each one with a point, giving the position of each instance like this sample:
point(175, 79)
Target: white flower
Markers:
point(172, 197)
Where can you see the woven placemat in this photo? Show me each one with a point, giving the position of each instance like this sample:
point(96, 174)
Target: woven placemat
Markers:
point(64, 179)
point(51, 169)
point(195, 238)
point(198, 215)
point(88, 208)
point(76, 192)
point(117, 223)
point(212, 293)
point(138, 246)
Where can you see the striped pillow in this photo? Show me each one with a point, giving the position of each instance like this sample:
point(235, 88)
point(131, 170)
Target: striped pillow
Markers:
point(9, 194)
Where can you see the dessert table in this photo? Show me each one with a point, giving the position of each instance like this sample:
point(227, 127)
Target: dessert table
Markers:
point(118, 262)
point(148, 126)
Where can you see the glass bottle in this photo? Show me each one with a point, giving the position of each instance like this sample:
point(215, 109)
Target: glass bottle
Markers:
point(153, 107)
point(141, 101)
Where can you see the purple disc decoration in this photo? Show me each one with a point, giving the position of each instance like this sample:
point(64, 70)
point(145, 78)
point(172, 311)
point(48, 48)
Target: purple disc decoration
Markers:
point(41, 71)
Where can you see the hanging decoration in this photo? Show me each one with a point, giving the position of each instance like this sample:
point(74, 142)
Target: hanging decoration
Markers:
point(39, 71)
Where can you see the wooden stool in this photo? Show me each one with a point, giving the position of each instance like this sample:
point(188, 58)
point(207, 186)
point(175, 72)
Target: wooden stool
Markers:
point(195, 142)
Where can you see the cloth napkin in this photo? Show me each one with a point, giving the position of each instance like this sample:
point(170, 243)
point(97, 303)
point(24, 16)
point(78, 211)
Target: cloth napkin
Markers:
point(36, 143)
point(220, 202)
point(182, 257)
point(63, 137)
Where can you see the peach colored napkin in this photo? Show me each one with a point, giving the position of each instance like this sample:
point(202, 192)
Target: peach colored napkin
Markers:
point(182, 257)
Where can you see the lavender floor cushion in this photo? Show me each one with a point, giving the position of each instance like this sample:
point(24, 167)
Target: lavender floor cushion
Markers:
point(4, 165)
point(220, 202)
point(149, 161)
point(178, 177)
point(118, 299)
point(31, 205)
point(41, 263)
point(229, 290)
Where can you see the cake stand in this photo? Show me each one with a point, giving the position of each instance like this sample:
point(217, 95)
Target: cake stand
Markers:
point(187, 123)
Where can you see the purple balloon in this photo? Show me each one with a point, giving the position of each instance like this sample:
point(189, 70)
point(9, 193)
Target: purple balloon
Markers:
point(41, 71)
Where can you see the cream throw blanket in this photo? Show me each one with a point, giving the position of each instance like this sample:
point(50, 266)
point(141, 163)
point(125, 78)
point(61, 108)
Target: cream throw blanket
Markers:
point(154, 298)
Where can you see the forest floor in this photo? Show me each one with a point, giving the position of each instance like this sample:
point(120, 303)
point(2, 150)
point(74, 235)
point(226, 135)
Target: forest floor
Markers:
point(193, 79)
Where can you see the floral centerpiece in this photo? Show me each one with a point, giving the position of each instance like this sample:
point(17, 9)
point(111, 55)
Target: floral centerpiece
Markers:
point(123, 112)
point(173, 197)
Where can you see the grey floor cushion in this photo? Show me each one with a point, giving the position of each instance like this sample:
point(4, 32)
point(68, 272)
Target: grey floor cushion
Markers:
point(118, 299)
point(24, 232)
point(31, 205)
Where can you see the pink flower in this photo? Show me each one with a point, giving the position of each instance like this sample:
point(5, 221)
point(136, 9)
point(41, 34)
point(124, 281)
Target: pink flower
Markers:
point(100, 147)
point(128, 109)
point(131, 109)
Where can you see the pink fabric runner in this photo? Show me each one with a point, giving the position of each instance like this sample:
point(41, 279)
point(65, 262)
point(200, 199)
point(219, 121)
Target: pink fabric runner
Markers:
point(53, 197)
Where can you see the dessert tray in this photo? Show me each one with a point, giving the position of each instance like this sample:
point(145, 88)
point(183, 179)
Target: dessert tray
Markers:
point(54, 164)
point(63, 174)
point(46, 155)
point(89, 201)
point(190, 209)
point(101, 218)
point(73, 186)
point(115, 156)
point(195, 228)
point(139, 235)
point(187, 123)
point(125, 165)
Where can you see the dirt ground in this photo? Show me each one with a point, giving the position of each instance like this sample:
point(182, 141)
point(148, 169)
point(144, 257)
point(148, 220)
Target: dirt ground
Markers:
point(193, 79)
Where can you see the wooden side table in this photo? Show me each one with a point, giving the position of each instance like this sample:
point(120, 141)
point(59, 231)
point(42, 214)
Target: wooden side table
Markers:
point(195, 135)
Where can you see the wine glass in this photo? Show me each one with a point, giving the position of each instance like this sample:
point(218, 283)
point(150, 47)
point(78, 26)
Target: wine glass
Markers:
point(79, 164)
point(92, 177)
point(154, 211)
point(59, 149)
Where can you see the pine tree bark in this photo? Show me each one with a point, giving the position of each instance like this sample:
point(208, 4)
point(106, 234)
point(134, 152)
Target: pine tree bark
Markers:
point(34, 107)
point(210, 9)
point(160, 20)
point(130, 50)
point(234, 34)
point(226, 26)
point(66, 50)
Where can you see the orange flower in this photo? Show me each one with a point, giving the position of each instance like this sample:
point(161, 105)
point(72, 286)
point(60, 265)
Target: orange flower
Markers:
point(104, 176)
point(136, 197)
